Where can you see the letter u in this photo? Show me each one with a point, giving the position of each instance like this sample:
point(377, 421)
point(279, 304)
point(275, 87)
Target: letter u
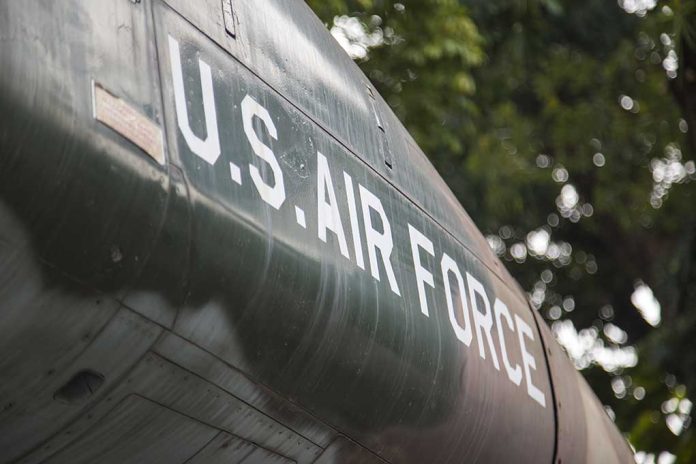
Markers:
point(208, 149)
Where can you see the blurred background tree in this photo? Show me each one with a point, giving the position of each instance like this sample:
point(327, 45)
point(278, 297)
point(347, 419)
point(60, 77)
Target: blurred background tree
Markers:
point(568, 131)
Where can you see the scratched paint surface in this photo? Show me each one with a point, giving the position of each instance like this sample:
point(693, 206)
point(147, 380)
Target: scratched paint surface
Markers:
point(287, 294)
point(223, 312)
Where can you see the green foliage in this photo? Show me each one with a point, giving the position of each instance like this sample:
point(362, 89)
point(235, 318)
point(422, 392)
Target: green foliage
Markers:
point(516, 101)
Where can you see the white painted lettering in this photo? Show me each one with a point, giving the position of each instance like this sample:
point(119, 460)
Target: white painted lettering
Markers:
point(208, 149)
point(449, 266)
point(328, 216)
point(274, 195)
point(378, 240)
point(501, 309)
point(423, 276)
point(528, 361)
point(482, 320)
point(354, 227)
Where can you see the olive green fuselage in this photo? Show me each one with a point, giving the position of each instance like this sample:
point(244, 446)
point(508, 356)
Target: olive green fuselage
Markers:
point(218, 244)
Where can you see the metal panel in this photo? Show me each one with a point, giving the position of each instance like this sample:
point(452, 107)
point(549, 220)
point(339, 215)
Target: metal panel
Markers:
point(289, 48)
point(137, 431)
point(185, 393)
point(272, 299)
point(223, 449)
point(262, 456)
point(585, 433)
point(37, 415)
point(207, 366)
point(90, 200)
point(298, 340)
point(344, 451)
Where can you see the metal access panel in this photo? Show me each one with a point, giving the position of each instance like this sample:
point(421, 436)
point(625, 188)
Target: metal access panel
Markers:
point(137, 430)
point(162, 412)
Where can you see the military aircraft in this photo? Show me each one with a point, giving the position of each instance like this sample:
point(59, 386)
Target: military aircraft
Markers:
point(219, 245)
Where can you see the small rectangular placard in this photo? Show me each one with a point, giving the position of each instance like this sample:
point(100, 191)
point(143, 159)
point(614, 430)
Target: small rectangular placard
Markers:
point(129, 122)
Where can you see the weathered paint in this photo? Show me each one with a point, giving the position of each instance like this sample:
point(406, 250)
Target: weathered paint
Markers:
point(247, 299)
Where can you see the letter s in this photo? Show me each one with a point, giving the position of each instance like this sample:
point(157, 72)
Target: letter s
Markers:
point(274, 195)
